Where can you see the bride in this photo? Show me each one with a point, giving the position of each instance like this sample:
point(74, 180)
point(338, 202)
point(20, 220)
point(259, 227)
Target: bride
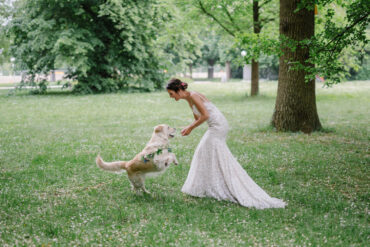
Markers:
point(214, 172)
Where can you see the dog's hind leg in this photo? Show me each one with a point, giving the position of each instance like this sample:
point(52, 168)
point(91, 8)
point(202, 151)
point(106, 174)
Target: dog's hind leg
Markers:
point(137, 183)
point(142, 183)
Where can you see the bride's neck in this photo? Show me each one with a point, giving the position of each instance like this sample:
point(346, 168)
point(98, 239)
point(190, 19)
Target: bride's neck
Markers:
point(186, 96)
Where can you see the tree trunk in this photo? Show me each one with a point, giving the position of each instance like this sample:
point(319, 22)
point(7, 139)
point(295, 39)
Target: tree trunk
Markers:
point(255, 78)
point(210, 69)
point(228, 70)
point(210, 72)
point(191, 71)
point(295, 107)
point(53, 76)
point(257, 30)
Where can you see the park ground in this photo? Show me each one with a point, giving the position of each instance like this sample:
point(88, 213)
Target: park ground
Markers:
point(52, 193)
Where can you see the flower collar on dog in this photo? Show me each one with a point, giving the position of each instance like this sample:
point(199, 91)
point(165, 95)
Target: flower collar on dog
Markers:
point(148, 157)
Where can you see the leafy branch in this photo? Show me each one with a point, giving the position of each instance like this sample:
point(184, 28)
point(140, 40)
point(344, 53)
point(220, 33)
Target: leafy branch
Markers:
point(215, 18)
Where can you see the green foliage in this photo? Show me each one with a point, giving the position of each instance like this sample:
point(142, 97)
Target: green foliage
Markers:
point(6, 10)
point(362, 70)
point(337, 48)
point(178, 44)
point(210, 49)
point(269, 66)
point(257, 44)
point(333, 48)
point(339, 42)
point(238, 29)
point(107, 44)
point(231, 16)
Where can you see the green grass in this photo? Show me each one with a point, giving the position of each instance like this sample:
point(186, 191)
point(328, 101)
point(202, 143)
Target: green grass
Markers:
point(8, 84)
point(52, 193)
point(16, 84)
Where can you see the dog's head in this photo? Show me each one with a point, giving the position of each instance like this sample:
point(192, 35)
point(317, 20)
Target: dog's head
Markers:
point(164, 131)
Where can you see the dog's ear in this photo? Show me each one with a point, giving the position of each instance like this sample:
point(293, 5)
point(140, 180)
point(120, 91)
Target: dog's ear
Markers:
point(158, 129)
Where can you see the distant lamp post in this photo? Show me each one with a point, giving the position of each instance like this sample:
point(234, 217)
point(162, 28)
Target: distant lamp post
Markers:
point(243, 53)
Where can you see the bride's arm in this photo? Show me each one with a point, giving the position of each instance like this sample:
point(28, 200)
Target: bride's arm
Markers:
point(204, 115)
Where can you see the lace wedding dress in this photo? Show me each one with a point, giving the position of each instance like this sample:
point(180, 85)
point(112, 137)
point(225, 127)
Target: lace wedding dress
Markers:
point(214, 172)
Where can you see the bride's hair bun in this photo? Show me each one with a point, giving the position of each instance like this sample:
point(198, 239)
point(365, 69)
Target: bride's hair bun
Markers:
point(176, 84)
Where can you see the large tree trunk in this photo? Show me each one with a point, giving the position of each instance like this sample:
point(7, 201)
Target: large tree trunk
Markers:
point(295, 107)
point(257, 30)
point(228, 70)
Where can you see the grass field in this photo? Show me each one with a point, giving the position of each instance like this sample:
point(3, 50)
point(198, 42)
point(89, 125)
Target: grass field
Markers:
point(52, 193)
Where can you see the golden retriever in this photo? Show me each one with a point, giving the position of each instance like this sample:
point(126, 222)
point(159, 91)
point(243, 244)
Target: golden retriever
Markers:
point(155, 158)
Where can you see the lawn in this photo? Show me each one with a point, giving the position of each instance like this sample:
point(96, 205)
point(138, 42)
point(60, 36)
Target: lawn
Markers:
point(52, 193)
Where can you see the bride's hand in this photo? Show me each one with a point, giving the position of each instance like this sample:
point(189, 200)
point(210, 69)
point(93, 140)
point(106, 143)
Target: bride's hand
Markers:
point(186, 131)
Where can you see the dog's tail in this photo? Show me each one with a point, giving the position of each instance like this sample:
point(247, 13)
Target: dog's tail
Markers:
point(111, 166)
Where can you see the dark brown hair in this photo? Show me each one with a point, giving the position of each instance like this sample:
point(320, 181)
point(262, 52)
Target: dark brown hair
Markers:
point(176, 84)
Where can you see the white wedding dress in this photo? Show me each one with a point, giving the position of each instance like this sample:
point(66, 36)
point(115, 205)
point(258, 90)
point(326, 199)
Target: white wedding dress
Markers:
point(214, 172)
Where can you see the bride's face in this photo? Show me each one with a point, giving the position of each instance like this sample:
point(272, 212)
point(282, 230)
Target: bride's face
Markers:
point(173, 94)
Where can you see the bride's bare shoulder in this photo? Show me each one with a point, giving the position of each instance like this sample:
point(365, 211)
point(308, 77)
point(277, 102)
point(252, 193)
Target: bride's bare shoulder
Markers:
point(197, 95)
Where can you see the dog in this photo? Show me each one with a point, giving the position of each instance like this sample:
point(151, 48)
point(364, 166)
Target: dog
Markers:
point(155, 158)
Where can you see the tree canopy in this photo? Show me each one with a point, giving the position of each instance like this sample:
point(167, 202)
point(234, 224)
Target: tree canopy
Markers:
point(106, 44)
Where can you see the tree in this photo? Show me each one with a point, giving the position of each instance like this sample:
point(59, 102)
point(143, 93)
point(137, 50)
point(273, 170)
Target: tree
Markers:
point(305, 55)
point(342, 31)
point(6, 9)
point(210, 51)
point(227, 54)
point(233, 17)
point(178, 42)
point(295, 107)
point(107, 44)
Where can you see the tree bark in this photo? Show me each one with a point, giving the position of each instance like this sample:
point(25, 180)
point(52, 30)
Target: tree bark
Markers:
point(257, 30)
point(295, 107)
point(255, 78)
point(228, 70)
point(191, 71)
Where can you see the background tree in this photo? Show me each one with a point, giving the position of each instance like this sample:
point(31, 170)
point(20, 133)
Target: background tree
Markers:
point(228, 53)
point(238, 18)
point(178, 43)
point(359, 69)
point(306, 55)
point(295, 107)
point(340, 38)
point(6, 10)
point(210, 51)
point(107, 44)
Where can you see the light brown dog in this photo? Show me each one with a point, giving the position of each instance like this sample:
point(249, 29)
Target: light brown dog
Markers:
point(155, 158)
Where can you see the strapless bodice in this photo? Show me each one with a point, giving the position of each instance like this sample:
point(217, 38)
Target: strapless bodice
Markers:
point(216, 119)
